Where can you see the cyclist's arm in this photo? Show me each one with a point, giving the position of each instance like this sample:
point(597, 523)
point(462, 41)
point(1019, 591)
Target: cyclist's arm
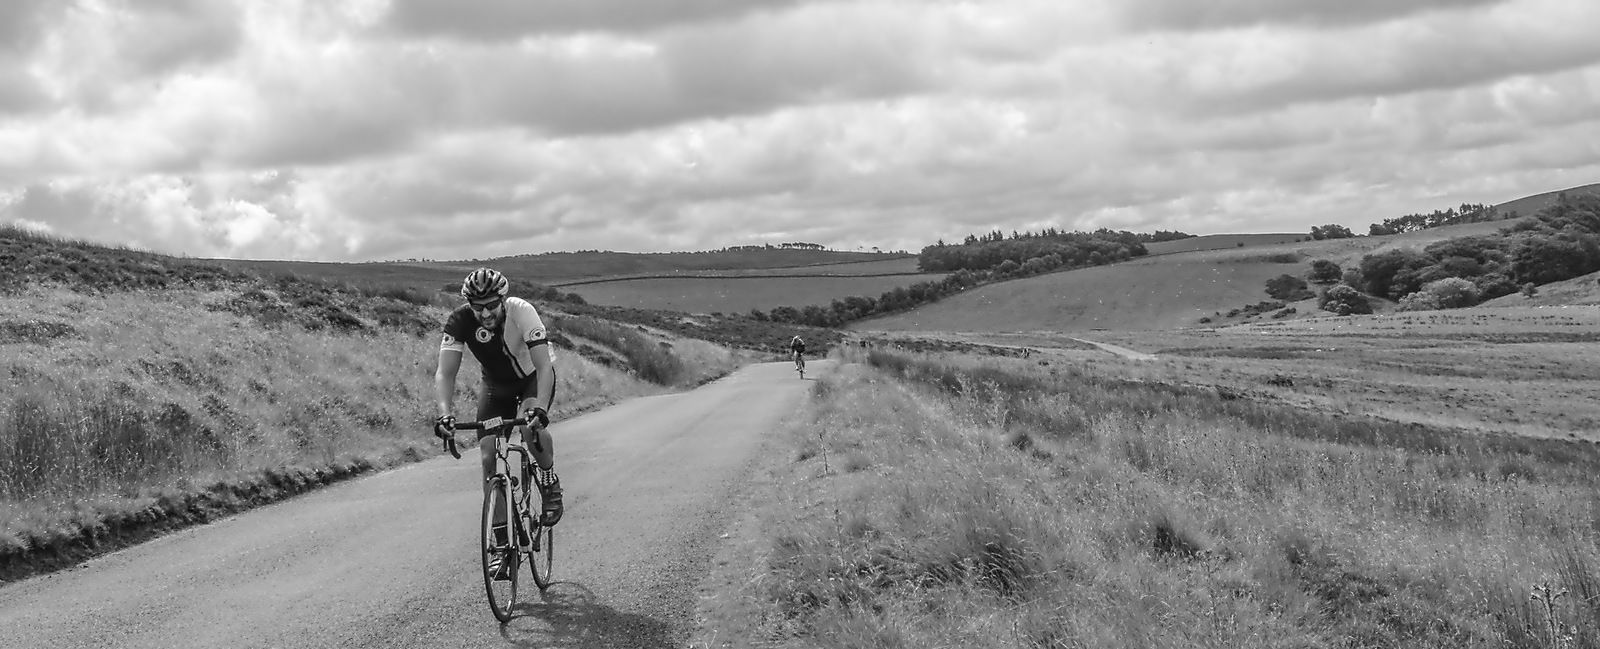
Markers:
point(546, 377)
point(444, 379)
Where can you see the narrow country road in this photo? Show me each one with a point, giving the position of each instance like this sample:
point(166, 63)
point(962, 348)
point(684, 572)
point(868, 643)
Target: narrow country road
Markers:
point(391, 560)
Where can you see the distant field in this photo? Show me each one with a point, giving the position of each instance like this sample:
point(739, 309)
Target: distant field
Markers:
point(900, 266)
point(557, 267)
point(1221, 241)
point(740, 294)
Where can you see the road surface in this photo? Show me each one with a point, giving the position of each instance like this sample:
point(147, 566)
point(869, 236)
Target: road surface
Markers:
point(391, 560)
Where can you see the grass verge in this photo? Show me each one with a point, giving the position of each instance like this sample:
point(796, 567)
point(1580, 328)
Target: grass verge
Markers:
point(951, 502)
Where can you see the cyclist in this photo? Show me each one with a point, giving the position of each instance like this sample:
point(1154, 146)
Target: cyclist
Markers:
point(797, 350)
point(509, 340)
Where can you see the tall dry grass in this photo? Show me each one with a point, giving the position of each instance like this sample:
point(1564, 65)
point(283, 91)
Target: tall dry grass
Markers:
point(110, 403)
point(986, 503)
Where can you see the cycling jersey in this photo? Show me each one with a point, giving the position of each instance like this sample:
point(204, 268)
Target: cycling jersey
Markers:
point(505, 354)
point(797, 346)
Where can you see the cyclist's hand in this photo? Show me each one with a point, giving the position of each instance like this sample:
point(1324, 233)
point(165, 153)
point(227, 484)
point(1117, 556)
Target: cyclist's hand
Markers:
point(537, 414)
point(443, 426)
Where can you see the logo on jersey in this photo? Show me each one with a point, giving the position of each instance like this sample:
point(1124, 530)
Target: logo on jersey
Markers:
point(448, 340)
point(484, 335)
point(538, 334)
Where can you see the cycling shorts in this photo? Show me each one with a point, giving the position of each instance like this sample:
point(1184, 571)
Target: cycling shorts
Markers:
point(500, 399)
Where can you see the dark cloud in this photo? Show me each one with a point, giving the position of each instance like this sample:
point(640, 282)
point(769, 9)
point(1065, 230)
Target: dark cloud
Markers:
point(22, 23)
point(321, 130)
point(1419, 59)
point(163, 35)
point(511, 19)
point(1216, 14)
point(742, 69)
point(20, 91)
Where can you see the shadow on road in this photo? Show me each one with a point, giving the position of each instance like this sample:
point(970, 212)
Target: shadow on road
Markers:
point(568, 615)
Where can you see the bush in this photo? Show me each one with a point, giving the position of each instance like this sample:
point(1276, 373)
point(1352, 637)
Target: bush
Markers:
point(1420, 301)
point(1288, 288)
point(1344, 299)
point(1324, 271)
point(1453, 292)
point(1529, 290)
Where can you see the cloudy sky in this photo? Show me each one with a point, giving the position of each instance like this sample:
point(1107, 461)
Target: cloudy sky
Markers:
point(446, 129)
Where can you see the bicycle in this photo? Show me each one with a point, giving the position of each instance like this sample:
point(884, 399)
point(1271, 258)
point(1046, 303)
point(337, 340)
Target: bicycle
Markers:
point(800, 364)
point(528, 538)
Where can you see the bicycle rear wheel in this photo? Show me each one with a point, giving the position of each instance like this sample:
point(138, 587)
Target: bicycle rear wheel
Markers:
point(502, 594)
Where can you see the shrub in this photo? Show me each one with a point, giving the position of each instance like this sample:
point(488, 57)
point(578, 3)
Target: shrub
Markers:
point(1420, 301)
point(1288, 288)
point(1453, 292)
point(1344, 299)
point(1324, 271)
point(1529, 290)
point(1494, 285)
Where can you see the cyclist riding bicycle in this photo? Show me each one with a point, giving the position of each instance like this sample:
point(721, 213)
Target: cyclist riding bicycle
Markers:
point(797, 348)
point(509, 340)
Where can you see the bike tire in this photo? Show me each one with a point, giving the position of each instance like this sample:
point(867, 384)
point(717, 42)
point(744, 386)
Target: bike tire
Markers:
point(541, 557)
point(502, 594)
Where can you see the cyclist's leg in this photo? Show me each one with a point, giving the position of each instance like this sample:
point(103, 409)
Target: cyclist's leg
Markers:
point(544, 452)
point(496, 400)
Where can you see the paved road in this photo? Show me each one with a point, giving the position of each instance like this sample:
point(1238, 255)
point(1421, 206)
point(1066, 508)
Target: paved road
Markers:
point(391, 560)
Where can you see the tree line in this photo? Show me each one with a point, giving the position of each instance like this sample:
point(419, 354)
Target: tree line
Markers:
point(1466, 213)
point(1049, 249)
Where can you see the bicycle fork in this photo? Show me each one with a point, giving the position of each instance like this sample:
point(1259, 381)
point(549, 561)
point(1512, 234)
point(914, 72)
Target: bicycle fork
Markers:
point(517, 485)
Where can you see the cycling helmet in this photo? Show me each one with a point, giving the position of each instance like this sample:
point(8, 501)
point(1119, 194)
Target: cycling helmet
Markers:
point(483, 283)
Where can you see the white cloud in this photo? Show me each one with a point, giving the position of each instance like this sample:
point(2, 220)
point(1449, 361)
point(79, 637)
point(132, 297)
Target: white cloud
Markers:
point(422, 128)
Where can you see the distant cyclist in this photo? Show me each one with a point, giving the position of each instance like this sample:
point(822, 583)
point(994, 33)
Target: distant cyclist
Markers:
point(509, 340)
point(797, 351)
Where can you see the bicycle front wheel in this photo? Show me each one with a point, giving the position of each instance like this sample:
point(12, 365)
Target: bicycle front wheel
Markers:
point(542, 558)
point(502, 592)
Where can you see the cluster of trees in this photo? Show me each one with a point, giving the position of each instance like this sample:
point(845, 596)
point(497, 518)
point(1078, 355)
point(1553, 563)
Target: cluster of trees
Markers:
point(1560, 242)
point(1163, 235)
point(1030, 253)
point(1331, 231)
point(1466, 213)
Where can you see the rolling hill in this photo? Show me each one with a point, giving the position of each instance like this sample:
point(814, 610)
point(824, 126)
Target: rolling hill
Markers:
point(1176, 285)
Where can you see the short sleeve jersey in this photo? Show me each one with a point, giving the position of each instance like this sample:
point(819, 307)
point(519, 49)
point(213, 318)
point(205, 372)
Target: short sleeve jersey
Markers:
point(506, 355)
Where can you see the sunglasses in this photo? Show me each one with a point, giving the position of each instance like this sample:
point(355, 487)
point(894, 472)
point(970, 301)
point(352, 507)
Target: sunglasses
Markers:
point(486, 307)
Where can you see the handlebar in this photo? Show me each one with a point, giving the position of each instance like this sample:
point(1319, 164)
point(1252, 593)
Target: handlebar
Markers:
point(493, 423)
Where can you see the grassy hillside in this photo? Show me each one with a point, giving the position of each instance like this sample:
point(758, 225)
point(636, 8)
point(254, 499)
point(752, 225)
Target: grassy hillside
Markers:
point(1532, 204)
point(140, 393)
